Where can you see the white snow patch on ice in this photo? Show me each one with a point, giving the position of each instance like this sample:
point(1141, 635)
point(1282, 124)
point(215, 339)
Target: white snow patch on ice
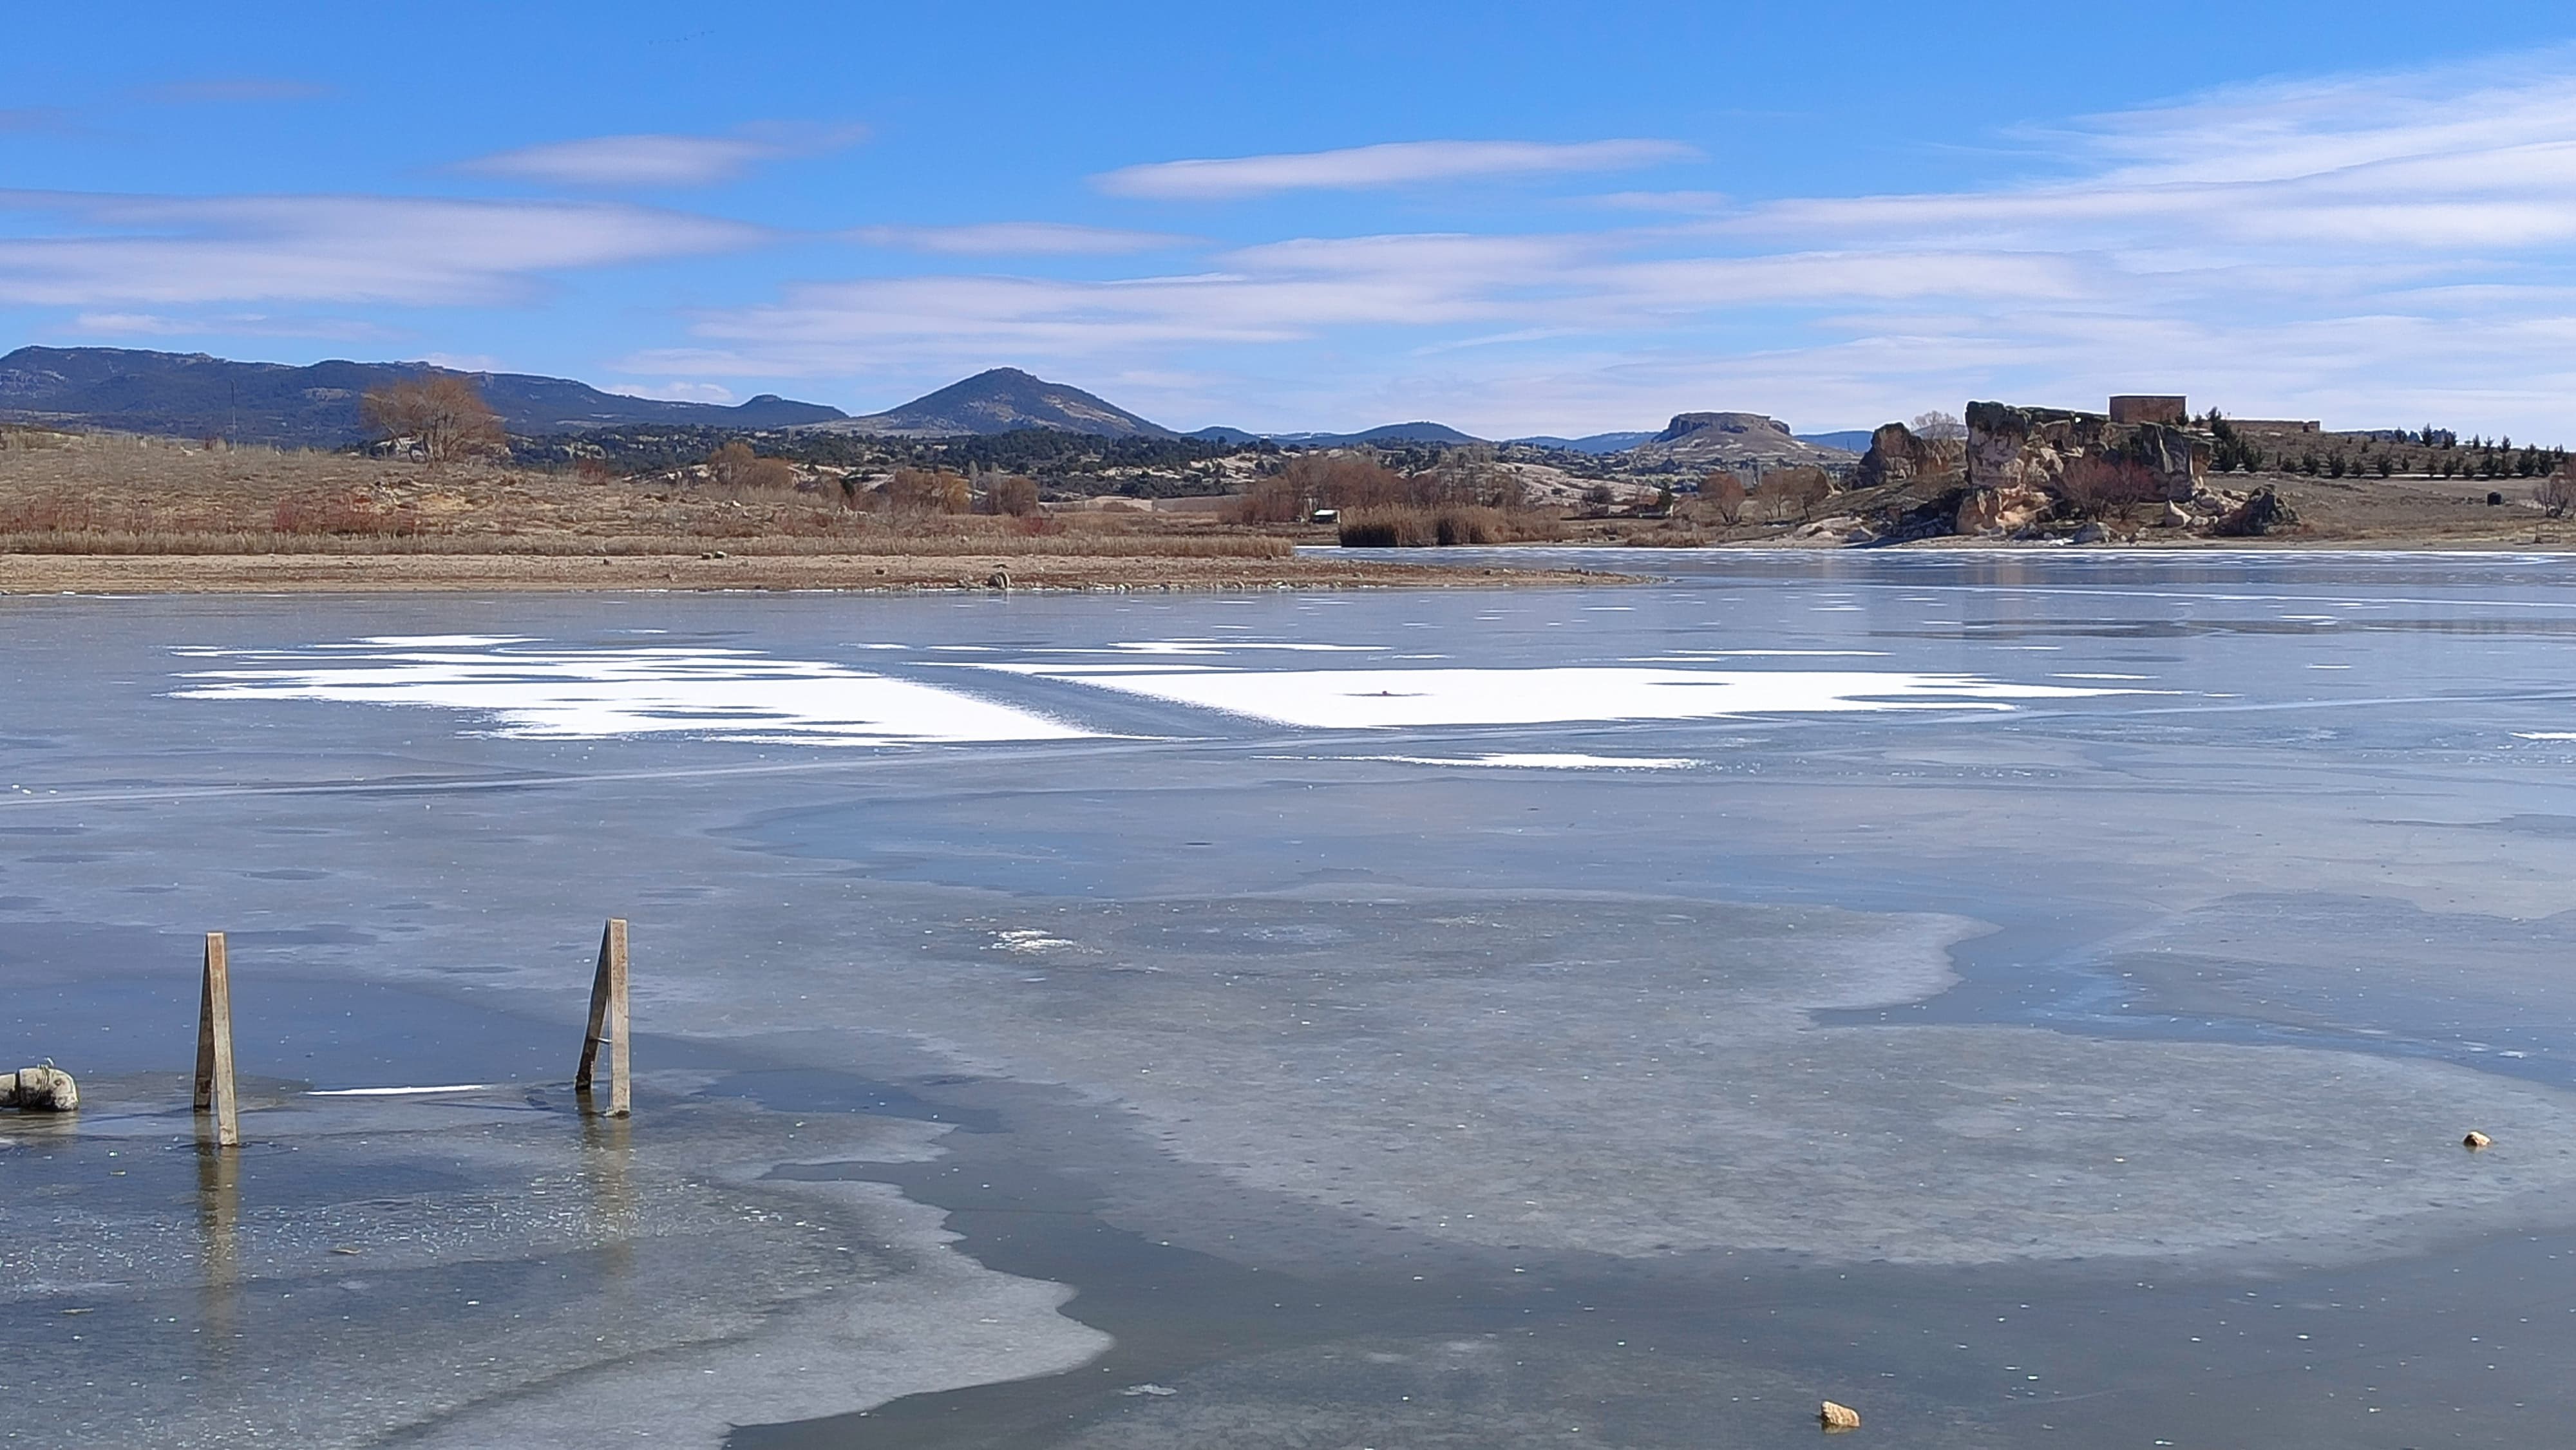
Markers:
point(399, 1092)
point(1391, 698)
point(539, 691)
point(1027, 940)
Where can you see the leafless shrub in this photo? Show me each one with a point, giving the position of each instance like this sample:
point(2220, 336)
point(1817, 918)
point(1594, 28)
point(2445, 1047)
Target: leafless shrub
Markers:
point(928, 491)
point(736, 466)
point(1016, 496)
point(2099, 486)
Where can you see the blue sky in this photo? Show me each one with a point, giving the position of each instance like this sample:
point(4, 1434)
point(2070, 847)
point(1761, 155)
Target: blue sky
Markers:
point(1512, 218)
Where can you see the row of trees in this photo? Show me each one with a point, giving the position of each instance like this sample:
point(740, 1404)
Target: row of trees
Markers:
point(1785, 493)
point(1460, 478)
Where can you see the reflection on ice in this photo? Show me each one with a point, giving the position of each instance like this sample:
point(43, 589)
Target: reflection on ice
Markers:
point(1385, 698)
point(541, 691)
point(1540, 760)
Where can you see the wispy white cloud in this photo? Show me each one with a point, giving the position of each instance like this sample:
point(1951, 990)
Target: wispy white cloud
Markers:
point(1311, 290)
point(228, 324)
point(1699, 203)
point(2373, 250)
point(114, 252)
point(655, 161)
point(674, 392)
point(35, 120)
point(1398, 163)
point(2451, 160)
point(1017, 239)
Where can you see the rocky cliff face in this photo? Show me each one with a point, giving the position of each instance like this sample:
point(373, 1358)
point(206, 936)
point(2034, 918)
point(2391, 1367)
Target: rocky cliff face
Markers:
point(1897, 456)
point(2019, 461)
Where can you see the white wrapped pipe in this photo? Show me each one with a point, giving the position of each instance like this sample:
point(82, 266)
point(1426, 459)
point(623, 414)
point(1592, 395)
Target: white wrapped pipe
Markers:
point(46, 1089)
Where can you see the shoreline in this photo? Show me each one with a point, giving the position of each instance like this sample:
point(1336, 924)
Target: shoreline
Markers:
point(1002, 571)
point(33, 574)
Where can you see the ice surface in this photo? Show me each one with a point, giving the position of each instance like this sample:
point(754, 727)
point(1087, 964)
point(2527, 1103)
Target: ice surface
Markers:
point(1784, 1063)
point(493, 1273)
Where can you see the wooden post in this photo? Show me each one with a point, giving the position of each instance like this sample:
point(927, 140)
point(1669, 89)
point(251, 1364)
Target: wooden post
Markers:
point(608, 1022)
point(215, 1045)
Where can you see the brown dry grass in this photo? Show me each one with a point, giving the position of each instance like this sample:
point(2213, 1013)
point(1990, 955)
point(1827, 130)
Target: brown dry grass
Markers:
point(122, 514)
point(116, 495)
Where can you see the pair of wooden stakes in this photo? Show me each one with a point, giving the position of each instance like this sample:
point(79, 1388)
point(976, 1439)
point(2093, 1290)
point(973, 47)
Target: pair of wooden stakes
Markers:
point(608, 1028)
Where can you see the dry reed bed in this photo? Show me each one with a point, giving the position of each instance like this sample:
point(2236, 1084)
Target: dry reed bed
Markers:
point(881, 544)
point(1423, 527)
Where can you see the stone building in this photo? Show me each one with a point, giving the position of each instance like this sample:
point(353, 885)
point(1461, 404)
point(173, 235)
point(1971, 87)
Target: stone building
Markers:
point(2170, 410)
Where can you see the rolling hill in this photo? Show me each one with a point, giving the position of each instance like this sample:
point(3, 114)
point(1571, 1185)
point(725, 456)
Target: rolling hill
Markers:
point(1003, 400)
point(192, 395)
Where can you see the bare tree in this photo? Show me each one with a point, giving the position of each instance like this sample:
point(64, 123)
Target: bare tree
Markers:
point(1016, 495)
point(2555, 494)
point(1724, 492)
point(1937, 424)
point(441, 414)
point(1797, 490)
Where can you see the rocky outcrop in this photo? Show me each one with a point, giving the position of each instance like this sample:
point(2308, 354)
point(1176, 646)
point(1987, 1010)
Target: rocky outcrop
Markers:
point(2019, 456)
point(2261, 513)
point(2003, 510)
point(1897, 456)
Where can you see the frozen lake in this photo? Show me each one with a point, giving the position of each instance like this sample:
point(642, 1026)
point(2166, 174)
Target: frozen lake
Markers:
point(2034, 998)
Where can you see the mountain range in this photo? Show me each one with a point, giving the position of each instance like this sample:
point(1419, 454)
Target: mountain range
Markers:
point(191, 395)
point(196, 396)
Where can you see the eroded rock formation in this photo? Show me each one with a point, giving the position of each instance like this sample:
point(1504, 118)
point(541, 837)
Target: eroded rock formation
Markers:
point(1898, 456)
point(2024, 463)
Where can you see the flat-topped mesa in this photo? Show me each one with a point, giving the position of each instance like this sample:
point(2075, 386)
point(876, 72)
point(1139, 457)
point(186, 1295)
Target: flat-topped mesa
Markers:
point(1737, 440)
point(1751, 424)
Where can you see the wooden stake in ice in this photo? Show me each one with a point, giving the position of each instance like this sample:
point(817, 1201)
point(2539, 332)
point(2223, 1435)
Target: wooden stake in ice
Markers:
point(608, 1022)
point(215, 1045)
